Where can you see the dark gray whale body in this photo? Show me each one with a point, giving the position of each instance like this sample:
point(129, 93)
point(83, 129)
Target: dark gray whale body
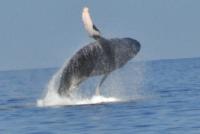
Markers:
point(98, 58)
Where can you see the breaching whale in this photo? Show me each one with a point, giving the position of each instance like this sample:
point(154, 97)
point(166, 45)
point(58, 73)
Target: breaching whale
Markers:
point(100, 57)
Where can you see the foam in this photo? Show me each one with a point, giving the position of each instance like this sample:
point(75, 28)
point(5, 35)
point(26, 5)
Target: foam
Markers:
point(53, 99)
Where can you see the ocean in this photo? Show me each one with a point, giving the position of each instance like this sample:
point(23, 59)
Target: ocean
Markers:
point(153, 97)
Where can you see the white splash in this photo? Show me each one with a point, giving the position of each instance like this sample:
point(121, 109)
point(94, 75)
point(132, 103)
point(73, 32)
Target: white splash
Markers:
point(54, 99)
point(114, 93)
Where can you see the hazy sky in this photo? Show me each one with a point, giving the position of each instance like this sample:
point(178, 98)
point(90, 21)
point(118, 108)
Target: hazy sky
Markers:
point(44, 33)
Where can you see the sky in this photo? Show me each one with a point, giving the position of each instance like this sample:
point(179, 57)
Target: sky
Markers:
point(45, 33)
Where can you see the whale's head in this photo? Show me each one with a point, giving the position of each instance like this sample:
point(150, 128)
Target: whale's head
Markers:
point(134, 46)
point(123, 50)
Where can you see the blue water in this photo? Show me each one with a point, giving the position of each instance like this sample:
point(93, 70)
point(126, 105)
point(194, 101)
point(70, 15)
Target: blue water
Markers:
point(168, 102)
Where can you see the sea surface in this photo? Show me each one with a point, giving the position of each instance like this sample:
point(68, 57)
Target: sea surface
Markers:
point(152, 97)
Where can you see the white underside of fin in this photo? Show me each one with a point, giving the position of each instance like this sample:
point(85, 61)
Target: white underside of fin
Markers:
point(87, 21)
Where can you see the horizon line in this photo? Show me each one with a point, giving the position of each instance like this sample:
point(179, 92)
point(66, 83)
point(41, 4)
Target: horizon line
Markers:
point(57, 67)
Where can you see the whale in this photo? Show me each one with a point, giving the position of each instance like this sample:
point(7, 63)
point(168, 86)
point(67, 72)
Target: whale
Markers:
point(98, 58)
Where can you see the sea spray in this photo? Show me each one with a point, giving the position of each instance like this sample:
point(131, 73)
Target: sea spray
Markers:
point(52, 98)
point(126, 83)
point(121, 85)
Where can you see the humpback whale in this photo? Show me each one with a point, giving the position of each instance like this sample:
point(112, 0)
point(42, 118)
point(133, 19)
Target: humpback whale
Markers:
point(100, 57)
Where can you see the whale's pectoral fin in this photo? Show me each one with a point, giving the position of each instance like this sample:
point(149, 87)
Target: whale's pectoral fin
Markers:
point(88, 23)
point(100, 83)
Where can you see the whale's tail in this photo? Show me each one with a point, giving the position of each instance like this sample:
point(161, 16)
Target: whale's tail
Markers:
point(89, 26)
